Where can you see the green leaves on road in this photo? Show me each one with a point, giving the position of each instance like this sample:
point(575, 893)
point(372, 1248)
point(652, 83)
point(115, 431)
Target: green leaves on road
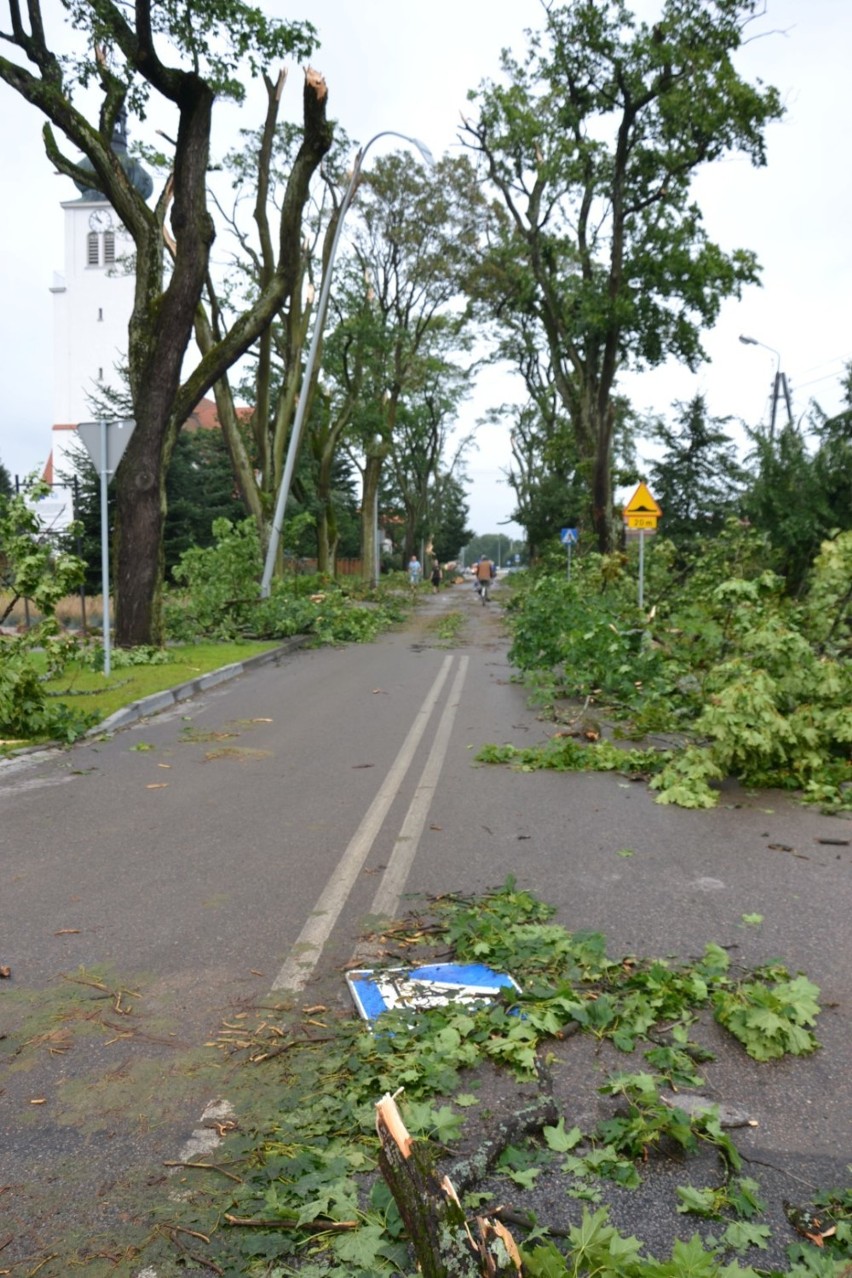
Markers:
point(311, 1161)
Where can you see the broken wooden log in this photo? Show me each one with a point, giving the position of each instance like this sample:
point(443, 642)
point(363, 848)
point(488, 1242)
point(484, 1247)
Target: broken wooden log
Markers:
point(443, 1241)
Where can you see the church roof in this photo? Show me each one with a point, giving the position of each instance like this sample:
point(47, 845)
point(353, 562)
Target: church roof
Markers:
point(139, 177)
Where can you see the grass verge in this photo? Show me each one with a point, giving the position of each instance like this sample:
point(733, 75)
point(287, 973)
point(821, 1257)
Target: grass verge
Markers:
point(99, 695)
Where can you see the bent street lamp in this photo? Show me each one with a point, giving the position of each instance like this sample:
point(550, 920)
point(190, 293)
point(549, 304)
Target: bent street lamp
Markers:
point(319, 323)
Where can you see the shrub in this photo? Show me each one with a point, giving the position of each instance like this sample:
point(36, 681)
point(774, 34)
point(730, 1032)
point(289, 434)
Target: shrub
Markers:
point(36, 571)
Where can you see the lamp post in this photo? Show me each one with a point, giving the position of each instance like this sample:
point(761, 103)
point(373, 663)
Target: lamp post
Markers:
point(779, 384)
point(316, 336)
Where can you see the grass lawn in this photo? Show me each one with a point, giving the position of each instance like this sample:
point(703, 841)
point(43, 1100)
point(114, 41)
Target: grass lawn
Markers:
point(101, 695)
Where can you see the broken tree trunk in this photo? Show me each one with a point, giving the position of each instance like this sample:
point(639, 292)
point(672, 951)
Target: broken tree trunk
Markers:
point(433, 1216)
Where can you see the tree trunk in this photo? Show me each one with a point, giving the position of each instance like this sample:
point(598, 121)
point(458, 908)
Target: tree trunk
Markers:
point(602, 514)
point(371, 476)
point(327, 539)
point(140, 491)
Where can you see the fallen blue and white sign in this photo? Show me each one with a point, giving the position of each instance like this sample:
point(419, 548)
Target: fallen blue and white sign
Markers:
point(434, 985)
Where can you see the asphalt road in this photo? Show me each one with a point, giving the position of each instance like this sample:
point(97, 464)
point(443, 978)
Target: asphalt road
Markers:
point(156, 882)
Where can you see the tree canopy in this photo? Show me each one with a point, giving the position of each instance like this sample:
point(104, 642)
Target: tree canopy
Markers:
point(591, 142)
point(186, 57)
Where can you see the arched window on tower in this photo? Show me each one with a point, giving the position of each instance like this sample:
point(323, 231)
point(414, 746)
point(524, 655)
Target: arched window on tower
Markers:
point(92, 253)
point(109, 247)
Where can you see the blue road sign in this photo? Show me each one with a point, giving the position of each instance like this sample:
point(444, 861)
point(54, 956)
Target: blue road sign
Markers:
point(569, 536)
point(433, 985)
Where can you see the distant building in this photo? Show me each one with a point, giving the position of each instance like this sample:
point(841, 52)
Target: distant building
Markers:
point(92, 304)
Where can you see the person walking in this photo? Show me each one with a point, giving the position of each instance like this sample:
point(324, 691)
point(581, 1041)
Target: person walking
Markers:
point(485, 571)
point(414, 571)
point(436, 575)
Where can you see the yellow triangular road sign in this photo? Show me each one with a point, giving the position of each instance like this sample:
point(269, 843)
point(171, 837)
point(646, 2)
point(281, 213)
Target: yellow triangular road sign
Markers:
point(642, 503)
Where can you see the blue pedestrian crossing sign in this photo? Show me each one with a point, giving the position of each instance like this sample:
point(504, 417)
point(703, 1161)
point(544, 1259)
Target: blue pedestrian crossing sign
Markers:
point(433, 985)
point(569, 536)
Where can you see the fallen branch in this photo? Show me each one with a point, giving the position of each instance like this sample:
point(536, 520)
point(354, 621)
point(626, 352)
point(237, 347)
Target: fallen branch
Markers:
point(310, 1226)
point(288, 1046)
point(204, 1167)
point(527, 1121)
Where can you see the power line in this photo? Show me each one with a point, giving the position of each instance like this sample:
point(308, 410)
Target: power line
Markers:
point(838, 359)
point(828, 377)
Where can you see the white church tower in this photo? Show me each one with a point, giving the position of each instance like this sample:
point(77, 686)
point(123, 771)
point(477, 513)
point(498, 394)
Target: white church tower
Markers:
point(92, 303)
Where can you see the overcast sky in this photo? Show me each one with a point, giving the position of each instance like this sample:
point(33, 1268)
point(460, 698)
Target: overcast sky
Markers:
point(407, 66)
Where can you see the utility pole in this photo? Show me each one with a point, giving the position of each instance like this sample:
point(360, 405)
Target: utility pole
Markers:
point(780, 385)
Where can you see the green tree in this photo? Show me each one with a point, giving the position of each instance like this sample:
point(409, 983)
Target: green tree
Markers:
point(800, 496)
point(786, 501)
point(6, 485)
point(697, 480)
point(128, 53)
point(496, 546)
point(448, 518)
point(833, 459)
point(200, 488)
point(591, 145)
point(411, 245)
point(419, 451)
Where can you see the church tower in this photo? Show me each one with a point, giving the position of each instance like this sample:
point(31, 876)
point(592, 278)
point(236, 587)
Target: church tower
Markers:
point(92, 303)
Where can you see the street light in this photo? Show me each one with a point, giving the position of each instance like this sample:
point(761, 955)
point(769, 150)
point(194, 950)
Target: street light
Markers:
point(319, 323)
point(779, 383)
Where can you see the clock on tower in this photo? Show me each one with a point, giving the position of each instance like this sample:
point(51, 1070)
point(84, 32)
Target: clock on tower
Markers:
point(100, 220)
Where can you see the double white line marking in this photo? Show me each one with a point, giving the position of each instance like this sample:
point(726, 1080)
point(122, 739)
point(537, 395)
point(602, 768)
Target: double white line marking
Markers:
point(306, 952)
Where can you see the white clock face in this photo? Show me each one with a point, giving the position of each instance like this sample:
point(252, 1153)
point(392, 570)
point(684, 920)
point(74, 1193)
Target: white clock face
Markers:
point(100, 220)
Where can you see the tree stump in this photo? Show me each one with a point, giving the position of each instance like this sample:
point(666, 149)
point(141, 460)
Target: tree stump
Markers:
point(442, 1239)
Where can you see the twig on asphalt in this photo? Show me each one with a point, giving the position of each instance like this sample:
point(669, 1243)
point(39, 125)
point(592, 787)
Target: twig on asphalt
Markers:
point(203, 1167)
point(312, 1226)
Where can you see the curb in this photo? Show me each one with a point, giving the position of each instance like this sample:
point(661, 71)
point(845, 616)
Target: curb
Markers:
point(159, 701)
point(169, 697)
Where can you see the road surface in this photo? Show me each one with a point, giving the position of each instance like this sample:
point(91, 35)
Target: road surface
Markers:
point(155, 883)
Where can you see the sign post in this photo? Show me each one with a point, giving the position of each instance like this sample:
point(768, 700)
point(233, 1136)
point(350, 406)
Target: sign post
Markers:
point(641, 513)
point(105, 443)
point(569, 538)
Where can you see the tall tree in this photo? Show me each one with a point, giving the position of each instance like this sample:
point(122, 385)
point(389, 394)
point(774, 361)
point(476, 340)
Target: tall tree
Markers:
point(272, 376)
point(130, 52)
point(448, 518)
point(544, 473)
point(801, 497)
point(419, 450)
point(6, 487)
point(414, 234)
point(591, 144)
point(697, 480)
point(785, 500)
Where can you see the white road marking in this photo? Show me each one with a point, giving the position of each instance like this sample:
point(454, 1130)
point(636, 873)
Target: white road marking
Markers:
point(306, 952)
point(402, 858)
point(205, 1139)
